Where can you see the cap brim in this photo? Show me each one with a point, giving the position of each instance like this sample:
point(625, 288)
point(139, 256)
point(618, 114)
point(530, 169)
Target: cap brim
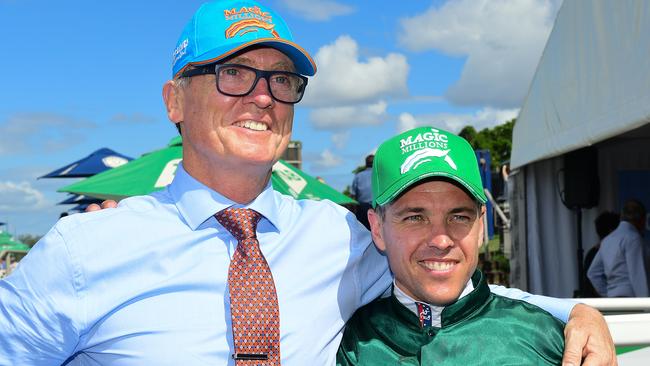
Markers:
point(408, 181)
point(304, 64)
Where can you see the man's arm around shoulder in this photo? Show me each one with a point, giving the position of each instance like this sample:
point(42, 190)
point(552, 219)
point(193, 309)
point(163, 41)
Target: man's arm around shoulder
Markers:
point(586, 333)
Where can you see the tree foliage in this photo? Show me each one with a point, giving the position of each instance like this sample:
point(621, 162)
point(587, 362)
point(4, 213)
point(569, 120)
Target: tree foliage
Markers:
point(498, 140)
point(359, 169)
point(29, 239)
point(348, 191)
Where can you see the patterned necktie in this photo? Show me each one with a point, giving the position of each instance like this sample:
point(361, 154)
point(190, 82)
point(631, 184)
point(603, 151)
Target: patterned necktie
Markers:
point(253, 300)
point(424, 311)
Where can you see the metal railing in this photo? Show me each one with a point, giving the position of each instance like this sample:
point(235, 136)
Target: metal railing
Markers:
point(619, 304)
point(497, 208)
point(628, 319)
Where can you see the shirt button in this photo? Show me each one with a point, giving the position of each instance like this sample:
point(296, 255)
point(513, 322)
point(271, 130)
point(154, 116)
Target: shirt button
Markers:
point(431, 333)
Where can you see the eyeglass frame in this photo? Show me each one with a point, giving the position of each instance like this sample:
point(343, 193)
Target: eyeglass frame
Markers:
point(209, 69)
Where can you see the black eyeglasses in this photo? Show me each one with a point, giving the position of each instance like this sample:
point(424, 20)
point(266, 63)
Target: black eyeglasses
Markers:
point(239, 80)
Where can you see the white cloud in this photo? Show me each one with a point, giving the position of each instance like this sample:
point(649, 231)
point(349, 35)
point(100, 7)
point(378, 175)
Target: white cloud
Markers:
point(484, 118)
point(406, 122)
point(41, 132)
point(343, 79)
point(318, 10)
point(502, 40)
point(20, 197)
point(340, 139)
point(345, 117)
point(327, 159)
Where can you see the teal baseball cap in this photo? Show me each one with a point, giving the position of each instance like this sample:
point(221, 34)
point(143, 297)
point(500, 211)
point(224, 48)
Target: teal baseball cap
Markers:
point(223, 27)
point(422, 153)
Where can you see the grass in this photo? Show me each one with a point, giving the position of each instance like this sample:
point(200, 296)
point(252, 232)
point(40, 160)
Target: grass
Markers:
point(496, 266)
point(493, 244)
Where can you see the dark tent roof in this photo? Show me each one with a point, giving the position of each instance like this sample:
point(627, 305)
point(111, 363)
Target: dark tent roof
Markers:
point(97, 162)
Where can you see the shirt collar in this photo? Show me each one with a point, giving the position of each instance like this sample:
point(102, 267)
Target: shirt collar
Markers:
point(196, 202)
point(627, 225)
point(436, 311)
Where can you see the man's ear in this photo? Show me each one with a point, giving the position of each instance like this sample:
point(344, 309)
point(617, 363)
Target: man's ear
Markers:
point(481, 224)
point(172, 95)
point(375, 229)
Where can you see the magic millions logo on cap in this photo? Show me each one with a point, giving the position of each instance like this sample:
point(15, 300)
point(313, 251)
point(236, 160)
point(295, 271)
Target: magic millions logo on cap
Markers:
point(423, 147)
point(248, 19)
point(422, 153)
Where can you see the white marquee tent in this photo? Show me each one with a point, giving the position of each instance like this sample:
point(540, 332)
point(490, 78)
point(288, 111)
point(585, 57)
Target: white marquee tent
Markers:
point(591, 88)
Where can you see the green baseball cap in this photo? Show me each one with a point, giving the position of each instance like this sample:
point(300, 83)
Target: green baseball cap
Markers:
point(419, 154)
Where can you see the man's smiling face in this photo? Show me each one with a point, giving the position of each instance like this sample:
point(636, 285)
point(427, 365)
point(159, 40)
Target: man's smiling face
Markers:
point(431, 235)
point(252, 129)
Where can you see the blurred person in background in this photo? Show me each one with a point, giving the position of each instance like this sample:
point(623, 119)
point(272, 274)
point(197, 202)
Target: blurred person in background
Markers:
point(618, 269)
point(362, 191)
point(605, 223)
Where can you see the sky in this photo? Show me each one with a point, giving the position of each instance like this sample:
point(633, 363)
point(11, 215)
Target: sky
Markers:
point(82, 75)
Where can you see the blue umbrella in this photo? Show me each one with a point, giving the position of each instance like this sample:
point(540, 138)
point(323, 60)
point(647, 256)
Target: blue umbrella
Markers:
point(97, 162)
point(79, 199)
point(81, 208)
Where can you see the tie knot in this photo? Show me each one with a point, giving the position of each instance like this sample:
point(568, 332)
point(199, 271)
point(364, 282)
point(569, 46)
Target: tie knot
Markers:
point(240, 222)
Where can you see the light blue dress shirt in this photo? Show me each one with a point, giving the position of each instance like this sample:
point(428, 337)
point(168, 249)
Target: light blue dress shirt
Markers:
point(618, 269)
point(362, 186)
point(146, 283)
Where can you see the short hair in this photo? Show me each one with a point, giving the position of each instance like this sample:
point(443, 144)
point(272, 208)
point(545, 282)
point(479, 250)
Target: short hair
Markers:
point(380, 210)
point(605, 223)
point(633, 211)
point(369, 160)
point(183, 81)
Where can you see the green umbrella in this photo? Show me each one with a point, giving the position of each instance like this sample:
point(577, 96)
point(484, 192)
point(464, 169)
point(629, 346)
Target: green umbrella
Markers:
point(11, 252)
point(150, 172)
point(156, 170)
point(292, 181)
point(8, 243)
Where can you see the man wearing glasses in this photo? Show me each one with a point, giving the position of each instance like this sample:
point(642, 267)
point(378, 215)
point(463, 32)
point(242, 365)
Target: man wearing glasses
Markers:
point(218, 268)
point(237, 80)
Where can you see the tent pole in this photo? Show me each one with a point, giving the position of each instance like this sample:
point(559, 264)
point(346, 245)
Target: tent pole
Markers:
point(581, 275)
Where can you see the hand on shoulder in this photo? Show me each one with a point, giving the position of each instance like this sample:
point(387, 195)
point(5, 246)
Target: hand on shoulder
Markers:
point(105, 204)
